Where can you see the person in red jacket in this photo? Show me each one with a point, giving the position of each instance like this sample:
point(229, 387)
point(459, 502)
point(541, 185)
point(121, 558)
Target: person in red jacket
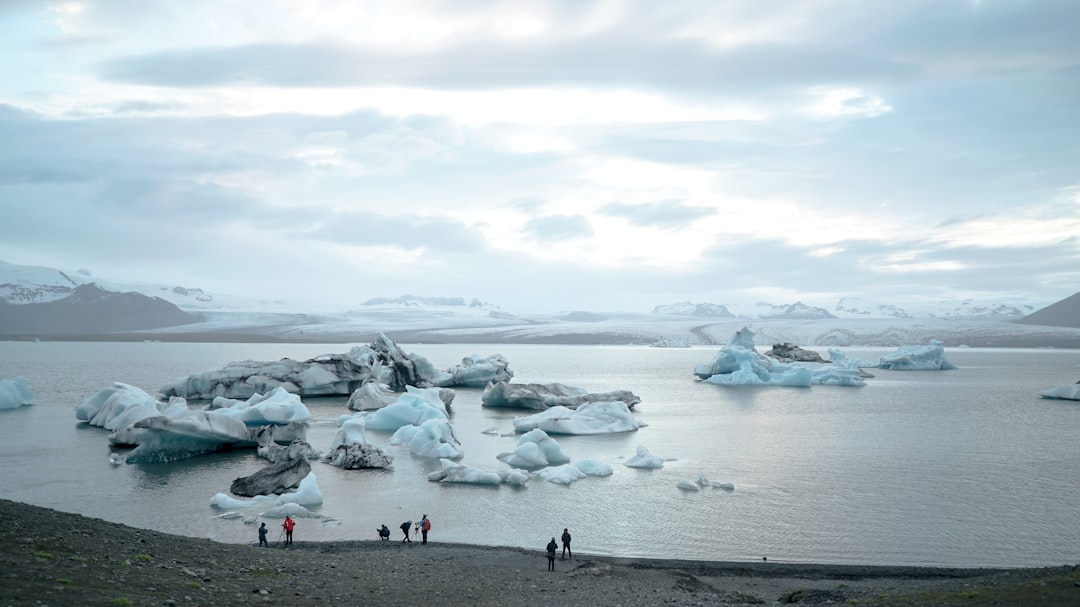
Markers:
point(288, 526)
point(425, 526)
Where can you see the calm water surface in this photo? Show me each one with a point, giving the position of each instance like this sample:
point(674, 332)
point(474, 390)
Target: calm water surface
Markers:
point(959, 468)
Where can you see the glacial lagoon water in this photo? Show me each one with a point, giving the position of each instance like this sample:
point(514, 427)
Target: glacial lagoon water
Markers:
point(953, 468)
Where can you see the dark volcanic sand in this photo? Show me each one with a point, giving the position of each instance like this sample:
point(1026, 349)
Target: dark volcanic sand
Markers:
point(55, 558)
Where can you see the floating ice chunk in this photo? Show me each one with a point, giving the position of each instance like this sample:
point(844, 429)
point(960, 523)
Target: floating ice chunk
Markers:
point(725, 486)
point(306, 494)
point(452, 472)
point(350, 432)
point(688, 486)
point(535, 449)
point(410, 409)
point(514, 477)
point(1071, 392)
point(644, 459)
point(593, 467)
point(702, 481)
point(561, 475)
point(918, 358)
point(120, 406)
point(433, 438)
point(293, 510)
point(168, 439)
point(371, 396)
point(476, 371)
point(590, 418)
point(15, 393)
point(541, 396)
point(739, 364)
point(277, 407)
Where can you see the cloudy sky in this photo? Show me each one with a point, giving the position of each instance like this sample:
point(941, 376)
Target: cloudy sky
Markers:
point(548, 155)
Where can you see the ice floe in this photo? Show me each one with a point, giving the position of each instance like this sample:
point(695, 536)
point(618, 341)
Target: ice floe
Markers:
point(542, 396)
point(589, 418)
point(15, 393)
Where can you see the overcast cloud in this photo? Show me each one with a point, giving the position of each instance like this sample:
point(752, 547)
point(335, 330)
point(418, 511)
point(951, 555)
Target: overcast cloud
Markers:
point(547, 155)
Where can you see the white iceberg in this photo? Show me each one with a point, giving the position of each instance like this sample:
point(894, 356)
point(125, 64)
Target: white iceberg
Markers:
point(561, 475)
point(433, 438)
point(278, 407)
point(914, 358)
point(121, 405)
point(593, 467)
point(590, 418)
point(739, 364)
point(688, 486)
point(535, 449)
point(413, 408)
point(1071, 392)
point(542, 396)
point(476, 371)
point(644, 459)
point(15, 393)
point(453, 472)
point(371, 396)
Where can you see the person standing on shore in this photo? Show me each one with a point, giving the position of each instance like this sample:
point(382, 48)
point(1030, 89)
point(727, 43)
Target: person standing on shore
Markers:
point(551, 548)
point(288, 526)
point(405, 529)
point(425, 526)
point(262, 536)
point(566, 544)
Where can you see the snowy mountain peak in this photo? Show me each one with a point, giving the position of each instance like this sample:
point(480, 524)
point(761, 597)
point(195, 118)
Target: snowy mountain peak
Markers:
point(795, 311)
point(686, 308)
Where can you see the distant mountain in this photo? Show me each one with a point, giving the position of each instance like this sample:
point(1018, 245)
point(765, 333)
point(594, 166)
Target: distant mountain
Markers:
point(418, 301)
point(709, 310)
point(89, 309)
point(870, 309)
point(1065, 313)
point(35, 284)
point(795, 311)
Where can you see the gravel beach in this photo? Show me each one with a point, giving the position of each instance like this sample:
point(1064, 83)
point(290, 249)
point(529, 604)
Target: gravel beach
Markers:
point(55, 558)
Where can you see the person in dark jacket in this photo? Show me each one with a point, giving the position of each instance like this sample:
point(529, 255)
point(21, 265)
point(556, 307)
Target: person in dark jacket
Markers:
point(405, 529)
point(566, 544)
point(262, 536)
point(551, 548)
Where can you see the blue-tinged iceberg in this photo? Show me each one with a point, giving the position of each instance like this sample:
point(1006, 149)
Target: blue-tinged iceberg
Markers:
point(1062, 392)
point(535, 449)
point(15, 393)
point(590, 418)
point(914, 358)
point(739, 364)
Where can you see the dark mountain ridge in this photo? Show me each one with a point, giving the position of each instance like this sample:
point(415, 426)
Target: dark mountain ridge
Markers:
point(1064, 313)
point(91, 309)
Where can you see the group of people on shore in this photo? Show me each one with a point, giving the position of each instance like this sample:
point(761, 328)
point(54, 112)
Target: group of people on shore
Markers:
point(423, 526)
point(552, 548)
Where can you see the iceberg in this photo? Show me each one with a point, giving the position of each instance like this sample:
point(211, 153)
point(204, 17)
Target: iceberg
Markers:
point(278, 407)
point(453, 472)
point(542, 396)
point(590, 418)
point(307, 494)
point(477, 372)
point(561, 475)
point(350, 449)
point(535, 449)
point(326, 375)
point(121, 405)
point(644, 459)
point(593, 467)
point(739, 364)
point(371, 396)
point(15, 393)
point(1062, 392)
point(433, 438)
point(277, 478)
point(413, 408)
point(917, 358)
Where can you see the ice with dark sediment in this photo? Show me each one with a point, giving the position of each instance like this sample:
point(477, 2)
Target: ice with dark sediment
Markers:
point(542, 396)
point(739, 364)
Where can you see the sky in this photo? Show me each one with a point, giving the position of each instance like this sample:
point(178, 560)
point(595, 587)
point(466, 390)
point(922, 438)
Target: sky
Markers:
point(548, 155)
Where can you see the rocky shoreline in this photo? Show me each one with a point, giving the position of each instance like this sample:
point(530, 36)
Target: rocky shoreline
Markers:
point(55, 558)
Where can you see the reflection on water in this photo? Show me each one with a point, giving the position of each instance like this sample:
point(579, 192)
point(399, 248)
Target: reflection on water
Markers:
point(964, 467)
